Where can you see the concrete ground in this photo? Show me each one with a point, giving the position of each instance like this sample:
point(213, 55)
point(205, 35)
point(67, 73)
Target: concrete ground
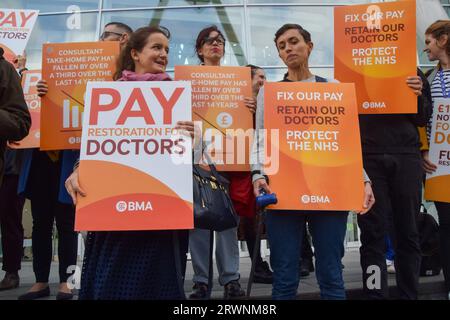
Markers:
point(431, 288)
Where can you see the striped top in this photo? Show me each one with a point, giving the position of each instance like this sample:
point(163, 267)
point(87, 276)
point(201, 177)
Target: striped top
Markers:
point(436, 92)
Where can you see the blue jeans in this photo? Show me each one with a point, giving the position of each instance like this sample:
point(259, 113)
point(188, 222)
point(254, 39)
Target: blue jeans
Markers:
point(285, 234)
point(390, 253)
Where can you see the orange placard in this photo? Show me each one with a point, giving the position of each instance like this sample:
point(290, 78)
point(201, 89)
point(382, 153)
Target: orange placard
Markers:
point(218, 102)
point(375, 48)
point(29, 81)
point(318, 145)
point(135, 168)
point(15, 30)
point(67, 67)
point(437, 184)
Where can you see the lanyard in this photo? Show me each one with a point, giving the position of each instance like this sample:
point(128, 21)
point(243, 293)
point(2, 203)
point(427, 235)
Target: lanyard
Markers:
point(445, 93)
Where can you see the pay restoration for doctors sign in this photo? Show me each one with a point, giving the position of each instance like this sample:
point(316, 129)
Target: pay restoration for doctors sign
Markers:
point(134, 166)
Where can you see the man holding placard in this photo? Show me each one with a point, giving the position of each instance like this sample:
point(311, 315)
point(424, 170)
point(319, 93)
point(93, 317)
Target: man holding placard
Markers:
point(375, 49)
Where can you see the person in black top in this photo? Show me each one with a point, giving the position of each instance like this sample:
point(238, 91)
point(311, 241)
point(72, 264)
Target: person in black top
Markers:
point(391, 157)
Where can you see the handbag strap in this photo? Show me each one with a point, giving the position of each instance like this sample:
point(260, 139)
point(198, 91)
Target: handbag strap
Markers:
point(211, 165)
point(210, 269)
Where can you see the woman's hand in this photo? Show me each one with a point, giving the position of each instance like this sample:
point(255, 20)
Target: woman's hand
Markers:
point(415, 84)
point(42, 88)
point(369, 198)
point(73, 186)
point(427, 165)
point(260, 184)
point(191, 129)
point(21, 61)
point(250, 103)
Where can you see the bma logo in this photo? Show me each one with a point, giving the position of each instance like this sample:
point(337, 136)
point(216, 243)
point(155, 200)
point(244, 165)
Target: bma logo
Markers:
point(373, 105)
point(122, 206)
point(314, 199)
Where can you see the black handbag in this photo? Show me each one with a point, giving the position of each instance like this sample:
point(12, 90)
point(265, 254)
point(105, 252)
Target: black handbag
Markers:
point(213, 209)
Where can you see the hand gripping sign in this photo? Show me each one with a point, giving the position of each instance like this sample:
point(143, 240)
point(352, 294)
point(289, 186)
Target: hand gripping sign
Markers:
point(437, 185)
point(320, 162)
point(375, 48)
point(134, 167)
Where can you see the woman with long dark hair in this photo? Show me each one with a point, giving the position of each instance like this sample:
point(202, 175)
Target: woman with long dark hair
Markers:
point(437, 47)
point(135, 265)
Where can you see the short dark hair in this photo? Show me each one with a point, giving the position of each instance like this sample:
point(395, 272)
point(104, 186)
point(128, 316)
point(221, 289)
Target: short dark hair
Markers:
point(204, 33)
point(121, 25)
point(253, 69)
point(288, 26)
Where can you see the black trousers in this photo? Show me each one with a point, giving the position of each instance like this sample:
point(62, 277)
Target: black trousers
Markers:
point(443, 209)
point(396, 182)
point(250, 230)
point(306, 252)
point(46, 209)
point(11, 206)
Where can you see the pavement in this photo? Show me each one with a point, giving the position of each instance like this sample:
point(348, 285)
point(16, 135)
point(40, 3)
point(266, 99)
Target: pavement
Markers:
point(431, 288)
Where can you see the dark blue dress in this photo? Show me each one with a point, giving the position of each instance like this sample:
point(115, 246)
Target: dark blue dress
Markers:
point(133, 265)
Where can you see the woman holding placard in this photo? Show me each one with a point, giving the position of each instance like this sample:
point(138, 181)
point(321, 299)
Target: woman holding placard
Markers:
point(136, 265)
point(210, 49)
point(437, 47)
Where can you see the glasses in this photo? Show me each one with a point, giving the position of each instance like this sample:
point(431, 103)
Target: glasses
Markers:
point(218, 39)
point(106, 34)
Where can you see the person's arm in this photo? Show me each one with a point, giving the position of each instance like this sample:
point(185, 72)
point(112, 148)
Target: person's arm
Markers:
point(15, 120)
point(424, 104)
point(73, 186)
point(369, 198)
point(257, 157)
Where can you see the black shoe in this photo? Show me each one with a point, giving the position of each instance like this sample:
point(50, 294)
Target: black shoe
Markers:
point(262, 278)
point(233, 290)
point(35, 294)
point(199, 291)
point(10, 281)
point(262, 274)
point(64, 296)
point(303, 272)
point(306, 266)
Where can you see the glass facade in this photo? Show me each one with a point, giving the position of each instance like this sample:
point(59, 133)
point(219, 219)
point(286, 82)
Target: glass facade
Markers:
point(248, 25)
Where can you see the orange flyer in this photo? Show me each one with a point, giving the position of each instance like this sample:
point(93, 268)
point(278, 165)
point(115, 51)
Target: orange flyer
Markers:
point(318, 145)
point(437, 184)
point(29, 81)
point(375, 48)
point(67, 68)
point(218, 102)
point(15, 31)
point(135, 167)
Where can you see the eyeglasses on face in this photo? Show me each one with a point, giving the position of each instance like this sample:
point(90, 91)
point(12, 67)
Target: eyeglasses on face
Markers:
point(106, 34)
point(210, 40)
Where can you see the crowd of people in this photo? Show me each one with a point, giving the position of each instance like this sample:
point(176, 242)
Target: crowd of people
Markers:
point(152, 264)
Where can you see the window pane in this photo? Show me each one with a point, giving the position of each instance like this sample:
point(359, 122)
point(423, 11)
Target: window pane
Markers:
point(51, 6)
point(312, 1)
point(184, 25)
point(265, 21)
point(162, 3)
point(57, 28)
point(277, 74)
